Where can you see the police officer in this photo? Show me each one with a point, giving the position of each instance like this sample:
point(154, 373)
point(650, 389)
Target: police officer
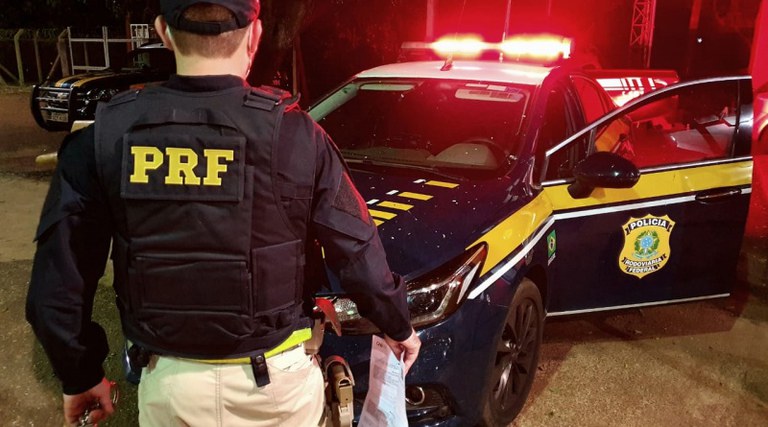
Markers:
point(211, 194)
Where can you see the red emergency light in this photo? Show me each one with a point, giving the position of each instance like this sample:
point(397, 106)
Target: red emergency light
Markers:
point(465, 46)
point(543, 47)
point(533, 48)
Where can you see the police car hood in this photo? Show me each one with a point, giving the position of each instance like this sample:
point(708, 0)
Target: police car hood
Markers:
point(104, 79)
point(424, 221)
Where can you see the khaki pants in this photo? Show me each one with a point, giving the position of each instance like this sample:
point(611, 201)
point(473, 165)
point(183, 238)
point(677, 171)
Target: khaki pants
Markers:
point(181, 392)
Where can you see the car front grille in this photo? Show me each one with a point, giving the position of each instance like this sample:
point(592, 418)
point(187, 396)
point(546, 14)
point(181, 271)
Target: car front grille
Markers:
point(53, 103)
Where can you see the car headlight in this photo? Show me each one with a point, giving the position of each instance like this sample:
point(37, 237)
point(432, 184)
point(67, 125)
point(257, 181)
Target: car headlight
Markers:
point(96, 95)
point(432, 297)
point(90, 98)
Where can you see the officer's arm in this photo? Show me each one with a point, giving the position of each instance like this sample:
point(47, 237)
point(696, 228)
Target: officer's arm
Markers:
point(352, 247)
point(72, 247)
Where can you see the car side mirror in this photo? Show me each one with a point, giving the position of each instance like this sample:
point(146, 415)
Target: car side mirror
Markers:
point(604, 170)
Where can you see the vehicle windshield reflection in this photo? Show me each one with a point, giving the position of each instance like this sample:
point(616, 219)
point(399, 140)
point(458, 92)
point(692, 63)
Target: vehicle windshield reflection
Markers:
point(465, 127)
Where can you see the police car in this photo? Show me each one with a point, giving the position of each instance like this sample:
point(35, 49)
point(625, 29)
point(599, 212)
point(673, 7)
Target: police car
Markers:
point(506, 192)
point(57, 104)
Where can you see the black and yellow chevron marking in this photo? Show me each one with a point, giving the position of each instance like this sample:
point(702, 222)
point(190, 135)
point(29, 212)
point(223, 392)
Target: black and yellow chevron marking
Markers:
point(395, 205)
point(384, 210)
point(416, 196)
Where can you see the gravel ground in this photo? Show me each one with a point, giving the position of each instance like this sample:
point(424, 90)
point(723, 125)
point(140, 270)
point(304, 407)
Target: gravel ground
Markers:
point(702, 364)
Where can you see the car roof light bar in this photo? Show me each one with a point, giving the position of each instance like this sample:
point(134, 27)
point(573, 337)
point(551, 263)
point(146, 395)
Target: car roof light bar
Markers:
point(545, 48)
point(460, 47)
point(540, 49)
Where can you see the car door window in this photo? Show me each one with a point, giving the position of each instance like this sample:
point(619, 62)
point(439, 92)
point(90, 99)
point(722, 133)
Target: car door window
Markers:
point(555, 127)
point(686, 125)
point(673, 235)
point(558, 125)
point(593, 103)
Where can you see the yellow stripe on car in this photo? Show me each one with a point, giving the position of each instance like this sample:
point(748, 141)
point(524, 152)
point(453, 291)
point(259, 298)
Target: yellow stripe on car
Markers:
point(512, 232)
point(66, 80)
point(516, 229)
point(395, 205)
point(417, 196)
point(90, 79)
point(441, 184)
point(659, 184)
point(381, 214)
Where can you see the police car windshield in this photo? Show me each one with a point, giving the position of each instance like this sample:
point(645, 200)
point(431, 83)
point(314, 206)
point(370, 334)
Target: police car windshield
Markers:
point(455, 125)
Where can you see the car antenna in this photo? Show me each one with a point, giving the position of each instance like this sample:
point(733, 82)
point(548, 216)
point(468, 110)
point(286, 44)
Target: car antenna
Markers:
point(448, 65)
point(506, 29)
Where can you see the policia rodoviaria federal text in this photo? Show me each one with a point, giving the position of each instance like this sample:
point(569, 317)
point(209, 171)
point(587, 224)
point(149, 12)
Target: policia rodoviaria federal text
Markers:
point(211, 193)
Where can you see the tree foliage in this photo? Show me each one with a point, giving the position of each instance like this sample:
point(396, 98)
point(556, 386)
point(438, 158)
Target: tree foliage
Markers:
point(282, 21)
point(60, 13)
point(343, 37)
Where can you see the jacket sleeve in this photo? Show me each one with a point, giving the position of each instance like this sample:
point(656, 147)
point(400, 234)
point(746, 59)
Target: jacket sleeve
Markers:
point(353, 250)
point(72, 247)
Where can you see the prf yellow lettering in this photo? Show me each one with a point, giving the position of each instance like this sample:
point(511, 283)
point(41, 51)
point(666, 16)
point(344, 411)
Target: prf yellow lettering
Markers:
point(215, 167)
point(144, 159)
point(181, 160)
point(181, 165)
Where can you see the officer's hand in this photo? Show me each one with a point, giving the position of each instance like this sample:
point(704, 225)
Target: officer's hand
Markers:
point(98, 400)
point(409, 349)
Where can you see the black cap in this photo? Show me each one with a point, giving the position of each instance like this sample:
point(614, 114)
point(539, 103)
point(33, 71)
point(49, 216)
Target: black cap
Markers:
point(244, 11)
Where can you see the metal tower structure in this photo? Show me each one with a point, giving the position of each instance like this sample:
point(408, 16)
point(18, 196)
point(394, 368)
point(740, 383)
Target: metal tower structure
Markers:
point(641, 33)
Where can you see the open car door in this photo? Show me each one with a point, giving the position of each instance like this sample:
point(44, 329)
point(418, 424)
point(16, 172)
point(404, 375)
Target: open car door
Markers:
point(675, 233)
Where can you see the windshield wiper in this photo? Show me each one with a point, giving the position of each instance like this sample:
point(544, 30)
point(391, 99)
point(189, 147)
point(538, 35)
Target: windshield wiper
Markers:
point(352, 161)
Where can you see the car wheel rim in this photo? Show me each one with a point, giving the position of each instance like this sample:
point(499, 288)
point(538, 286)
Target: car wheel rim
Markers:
point(515, 355)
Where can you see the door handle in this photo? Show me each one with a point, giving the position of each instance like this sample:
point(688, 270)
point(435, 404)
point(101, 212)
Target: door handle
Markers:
point(716, 195)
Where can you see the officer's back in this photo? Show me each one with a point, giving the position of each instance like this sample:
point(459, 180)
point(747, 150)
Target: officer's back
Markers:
point(211, 193)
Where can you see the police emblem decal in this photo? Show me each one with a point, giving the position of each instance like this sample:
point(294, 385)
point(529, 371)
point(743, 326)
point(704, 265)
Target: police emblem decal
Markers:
point(646, 245)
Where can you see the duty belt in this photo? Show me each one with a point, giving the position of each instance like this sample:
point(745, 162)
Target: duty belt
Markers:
point(259, 361)
point(294, 340)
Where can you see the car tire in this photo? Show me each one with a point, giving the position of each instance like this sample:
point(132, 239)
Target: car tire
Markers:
point(516, 358)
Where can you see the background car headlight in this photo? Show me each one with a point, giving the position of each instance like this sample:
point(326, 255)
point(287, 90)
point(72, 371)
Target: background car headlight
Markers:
point(96, 95)
point(87, 100)
point(432, 297)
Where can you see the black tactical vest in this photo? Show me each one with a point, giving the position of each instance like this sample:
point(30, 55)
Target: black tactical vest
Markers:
point(209, 251)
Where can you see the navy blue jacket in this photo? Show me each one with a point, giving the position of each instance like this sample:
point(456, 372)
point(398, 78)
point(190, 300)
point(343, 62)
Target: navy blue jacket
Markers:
point(77, 226)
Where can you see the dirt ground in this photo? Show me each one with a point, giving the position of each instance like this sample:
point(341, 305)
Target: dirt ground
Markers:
point(696, 364)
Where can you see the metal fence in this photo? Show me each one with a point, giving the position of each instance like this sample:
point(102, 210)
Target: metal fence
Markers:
point(140, 34)
point(66, 51)
point(29, 49)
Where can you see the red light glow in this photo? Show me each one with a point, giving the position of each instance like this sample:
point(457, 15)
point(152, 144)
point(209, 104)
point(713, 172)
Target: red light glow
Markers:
point(466, 47)
point(544, 47)
point(535, 48)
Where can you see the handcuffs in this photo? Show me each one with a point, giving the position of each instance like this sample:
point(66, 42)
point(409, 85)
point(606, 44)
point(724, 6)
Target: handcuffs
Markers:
point(85, 419)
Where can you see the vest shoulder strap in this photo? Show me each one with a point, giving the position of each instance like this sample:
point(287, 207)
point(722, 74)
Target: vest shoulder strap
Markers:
point(268, 98)
point(121, 106)
point(123, 97)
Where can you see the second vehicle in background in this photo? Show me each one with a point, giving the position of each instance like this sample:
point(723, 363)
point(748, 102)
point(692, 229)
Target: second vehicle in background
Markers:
point(57, 104)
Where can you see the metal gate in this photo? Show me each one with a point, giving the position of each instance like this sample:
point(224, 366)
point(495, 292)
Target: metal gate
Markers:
point(140, 34)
